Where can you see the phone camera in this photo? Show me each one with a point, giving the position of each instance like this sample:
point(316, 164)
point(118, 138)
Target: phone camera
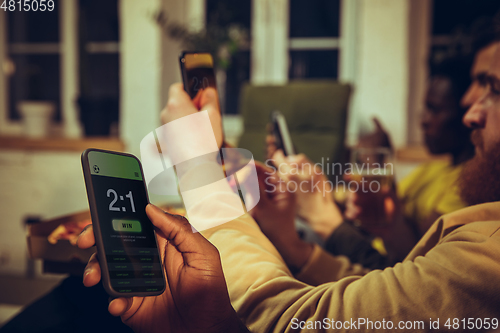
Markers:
point(96, 168)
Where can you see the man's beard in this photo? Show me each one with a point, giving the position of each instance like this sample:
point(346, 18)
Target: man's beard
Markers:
point(479, 180)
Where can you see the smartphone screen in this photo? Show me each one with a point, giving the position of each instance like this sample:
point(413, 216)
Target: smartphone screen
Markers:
point(125, 236)
point(197, 72)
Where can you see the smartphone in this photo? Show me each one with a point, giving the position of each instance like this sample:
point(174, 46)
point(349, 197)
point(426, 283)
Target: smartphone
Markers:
point(126, 242)
point(282, 134)
point(197, 70)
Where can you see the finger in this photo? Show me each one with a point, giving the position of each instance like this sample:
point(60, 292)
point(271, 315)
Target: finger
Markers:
point(119, 306)
point(299, 159)
point(378, 125)
point(176, 230)
point(270, 139)
point(264, 188)
point(92, 273)
point(269, 129)
point(209, 99)
point(179, 104)
point(266, 176)
point(264, 200)
point(86, 238)
point(280, 161)
point(263, 169)
point(270, 150)
point(177, 90)
point(197, 98)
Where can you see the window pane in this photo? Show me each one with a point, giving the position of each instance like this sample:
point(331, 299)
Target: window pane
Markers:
point(238, 73)
point(103, 75)
point(314, 18)
point(36, 77)
point(224, 13)
point(99, 20)
point(227, 12)
point(450, 14)
point(103, 80)
point(314, 64)
point(34, 27)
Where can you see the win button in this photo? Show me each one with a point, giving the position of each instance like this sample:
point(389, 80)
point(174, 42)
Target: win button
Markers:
point(127, 225)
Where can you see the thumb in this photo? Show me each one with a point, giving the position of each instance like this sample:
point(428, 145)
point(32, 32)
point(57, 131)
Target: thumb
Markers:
point(378, 125)
point(209, 99)
point(176, 229)
point(209, 102)
point(279, 159)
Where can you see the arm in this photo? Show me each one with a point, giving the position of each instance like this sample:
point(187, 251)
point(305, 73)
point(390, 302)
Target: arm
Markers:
point(380, 214)
point(275, 215)
point(446, 283)
point(347, 240)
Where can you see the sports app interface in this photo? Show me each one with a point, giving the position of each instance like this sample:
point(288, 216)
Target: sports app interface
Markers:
point(127, 233)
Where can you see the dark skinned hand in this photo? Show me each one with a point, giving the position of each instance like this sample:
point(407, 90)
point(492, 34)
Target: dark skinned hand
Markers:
point(196, 297)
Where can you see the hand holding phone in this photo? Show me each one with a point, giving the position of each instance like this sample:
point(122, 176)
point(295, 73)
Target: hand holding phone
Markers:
point(126, 241)
point(196, 298)
point(197, 71)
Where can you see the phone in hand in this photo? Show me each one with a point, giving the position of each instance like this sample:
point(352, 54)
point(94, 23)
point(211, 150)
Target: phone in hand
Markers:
point(281, 133)
point(126, 242)
point(197, 70)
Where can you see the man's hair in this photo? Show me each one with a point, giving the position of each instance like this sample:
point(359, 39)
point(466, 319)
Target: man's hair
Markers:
point(485, 31)
point(457, 70)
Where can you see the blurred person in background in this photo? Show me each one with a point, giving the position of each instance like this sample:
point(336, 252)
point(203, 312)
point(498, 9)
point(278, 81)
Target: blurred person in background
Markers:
point(432, 189)
point(422, 196)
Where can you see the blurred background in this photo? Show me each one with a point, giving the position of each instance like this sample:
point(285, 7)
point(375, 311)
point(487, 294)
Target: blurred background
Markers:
point(95, 73)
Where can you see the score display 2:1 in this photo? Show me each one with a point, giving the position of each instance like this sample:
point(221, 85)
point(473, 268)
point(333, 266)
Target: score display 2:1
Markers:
point(117, 209)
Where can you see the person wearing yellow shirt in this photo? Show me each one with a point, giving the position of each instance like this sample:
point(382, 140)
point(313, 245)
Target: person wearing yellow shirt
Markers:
point(421, 197)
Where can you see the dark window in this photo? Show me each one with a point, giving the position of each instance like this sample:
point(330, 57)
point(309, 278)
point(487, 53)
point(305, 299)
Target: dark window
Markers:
point(34, 27)
point(227, 12)
point(314, 18)
point(456, 24)
point(452, 14)
point(224, 13)
point(314, 64)
point(99, 20)
point(103, 75)
point(310, 19)
point(237, 75)
point(99, 70)
point(36, 78)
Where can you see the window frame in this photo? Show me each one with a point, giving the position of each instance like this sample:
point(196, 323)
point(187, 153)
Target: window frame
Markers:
point(269, 26)
point(68, 50)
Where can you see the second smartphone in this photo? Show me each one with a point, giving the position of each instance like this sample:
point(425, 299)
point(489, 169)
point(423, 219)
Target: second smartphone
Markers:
point(282, 134)
point(197, 70)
